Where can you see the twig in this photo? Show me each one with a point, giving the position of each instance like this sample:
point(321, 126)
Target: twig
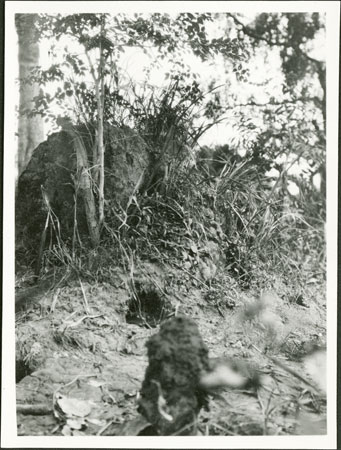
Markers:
point(264, 413)
point(43, 238)
point(219, 310)
point(55, 298)
point(75, 324)
point(185, 428)
point(39, 409)
point(155, 283)
point(71, 315)
point(86, 304)
point(101, 431)
point(136, 188)
point(74, 381)
point(229, 433)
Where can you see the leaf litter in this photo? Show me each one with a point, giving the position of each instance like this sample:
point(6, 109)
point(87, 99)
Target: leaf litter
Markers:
point(98, 382)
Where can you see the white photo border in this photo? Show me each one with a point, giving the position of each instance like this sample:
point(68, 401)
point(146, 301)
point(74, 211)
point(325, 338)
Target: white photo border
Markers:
point(9, 438)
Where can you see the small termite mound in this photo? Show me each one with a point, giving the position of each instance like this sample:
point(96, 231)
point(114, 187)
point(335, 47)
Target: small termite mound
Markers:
point(147, 307)
point(170, 396)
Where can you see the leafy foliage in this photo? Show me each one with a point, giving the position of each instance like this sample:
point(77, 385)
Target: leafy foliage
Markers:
point(204, 223)
point(246, 183)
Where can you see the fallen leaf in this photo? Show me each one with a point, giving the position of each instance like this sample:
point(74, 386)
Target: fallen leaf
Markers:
point(75, 424)
point(73, 406)
point(97, 422)
point(96, 383)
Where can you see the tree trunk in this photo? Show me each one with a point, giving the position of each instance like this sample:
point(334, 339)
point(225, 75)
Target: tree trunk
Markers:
point(321, 70)
point(86, 189)
point(85, 182)
point(30, 129)
point(100, 131)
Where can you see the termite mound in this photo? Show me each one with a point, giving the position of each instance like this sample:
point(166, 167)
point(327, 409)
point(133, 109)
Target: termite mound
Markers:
point(170, 395)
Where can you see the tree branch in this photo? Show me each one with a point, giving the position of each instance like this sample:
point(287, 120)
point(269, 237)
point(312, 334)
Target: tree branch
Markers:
point(275, 103)
point(92, 69)
point(251, 33)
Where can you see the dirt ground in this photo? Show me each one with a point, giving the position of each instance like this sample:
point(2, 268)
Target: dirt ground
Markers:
point(81, 355)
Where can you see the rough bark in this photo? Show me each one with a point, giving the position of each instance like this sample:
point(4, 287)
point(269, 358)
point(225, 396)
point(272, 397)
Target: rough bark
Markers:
point(30, 129)
point(85, 183)
point(100, 131)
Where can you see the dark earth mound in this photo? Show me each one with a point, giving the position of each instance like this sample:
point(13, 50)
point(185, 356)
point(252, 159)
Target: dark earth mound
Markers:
point(52, 173)
point(170, 397)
